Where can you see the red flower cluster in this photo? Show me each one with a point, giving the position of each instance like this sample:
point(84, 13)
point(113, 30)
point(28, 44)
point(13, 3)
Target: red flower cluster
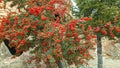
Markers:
point(36, 10)
point(43, 18)
point(86, 19)
point(104, 32)
point(72, 25)
point(1, 1)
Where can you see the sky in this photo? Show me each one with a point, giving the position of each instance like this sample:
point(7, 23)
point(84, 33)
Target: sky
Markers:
point(74, 4)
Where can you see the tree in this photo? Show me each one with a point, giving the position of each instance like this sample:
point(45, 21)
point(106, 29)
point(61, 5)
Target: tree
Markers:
point(106, 23)
point(47, 27)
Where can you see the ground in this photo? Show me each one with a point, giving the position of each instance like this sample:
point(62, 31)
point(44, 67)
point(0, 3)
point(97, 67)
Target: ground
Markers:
point(19, 62)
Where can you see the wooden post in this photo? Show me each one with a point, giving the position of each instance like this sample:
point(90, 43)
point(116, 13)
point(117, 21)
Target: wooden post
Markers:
point(60, 64)
point(99, 52)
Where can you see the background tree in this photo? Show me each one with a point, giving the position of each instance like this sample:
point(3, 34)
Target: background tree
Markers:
point(106, 23)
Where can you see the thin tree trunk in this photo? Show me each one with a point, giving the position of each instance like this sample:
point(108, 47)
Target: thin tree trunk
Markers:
point(60, 64)
point(99, 52)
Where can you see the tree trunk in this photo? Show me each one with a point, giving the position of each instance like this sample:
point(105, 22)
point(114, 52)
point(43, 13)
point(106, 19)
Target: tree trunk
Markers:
point(99, 52)
point(60, 64)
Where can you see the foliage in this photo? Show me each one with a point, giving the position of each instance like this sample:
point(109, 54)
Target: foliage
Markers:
point(105, 14)
point(47, 27)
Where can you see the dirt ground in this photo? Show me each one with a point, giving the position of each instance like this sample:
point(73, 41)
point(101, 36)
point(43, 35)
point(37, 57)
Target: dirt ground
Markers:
point(111, 55)
point(108, 61)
